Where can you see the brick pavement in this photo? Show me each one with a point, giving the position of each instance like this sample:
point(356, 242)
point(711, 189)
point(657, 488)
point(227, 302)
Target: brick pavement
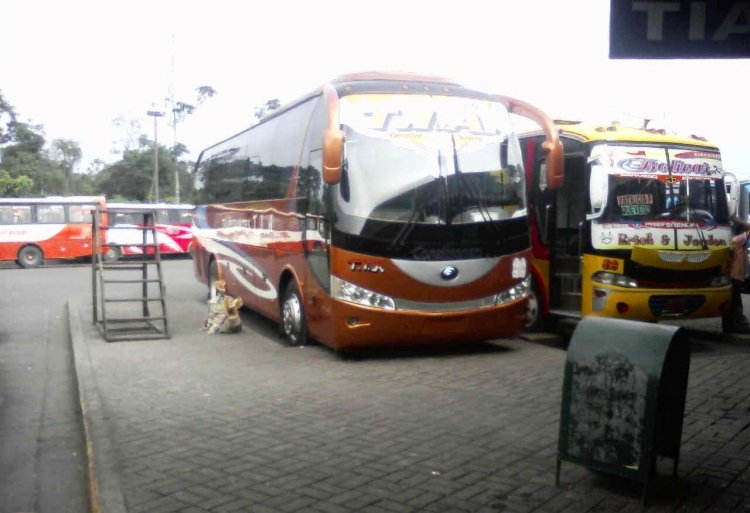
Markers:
point(243, 423)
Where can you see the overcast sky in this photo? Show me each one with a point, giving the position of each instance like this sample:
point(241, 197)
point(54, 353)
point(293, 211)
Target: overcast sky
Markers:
point(74, 66)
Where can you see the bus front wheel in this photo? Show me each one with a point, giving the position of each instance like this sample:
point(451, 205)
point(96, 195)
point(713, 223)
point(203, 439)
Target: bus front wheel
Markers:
point(535, 319)
point(293, 322)
point(30, 256)
point(213, 276)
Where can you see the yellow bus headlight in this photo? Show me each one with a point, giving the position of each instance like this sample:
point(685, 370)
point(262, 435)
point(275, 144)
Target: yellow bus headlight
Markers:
point(619, 280)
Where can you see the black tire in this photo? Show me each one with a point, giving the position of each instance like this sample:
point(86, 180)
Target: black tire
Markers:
point(30, 256)
point(213, 275)
point(293, 320)
point(536, 320)
point(113, 254)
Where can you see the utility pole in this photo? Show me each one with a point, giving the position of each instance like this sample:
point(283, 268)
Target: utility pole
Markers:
point(156, 114)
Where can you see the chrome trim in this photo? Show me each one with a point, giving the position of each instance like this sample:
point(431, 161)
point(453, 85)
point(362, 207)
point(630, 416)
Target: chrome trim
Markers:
point(422, 306)
point(694, 257)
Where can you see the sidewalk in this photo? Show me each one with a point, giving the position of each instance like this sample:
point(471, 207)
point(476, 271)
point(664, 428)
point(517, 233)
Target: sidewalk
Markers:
point(242, 422)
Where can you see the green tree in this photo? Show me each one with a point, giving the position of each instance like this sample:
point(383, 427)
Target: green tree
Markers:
point(15, 187)
point(67, 154)
point(24, 155)
point(7, 116)
point(132, 176)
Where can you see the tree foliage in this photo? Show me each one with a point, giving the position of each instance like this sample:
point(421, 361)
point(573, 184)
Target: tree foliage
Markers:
point(29, 165)
point(267, 107)
point(15, 187)
point(132, 176)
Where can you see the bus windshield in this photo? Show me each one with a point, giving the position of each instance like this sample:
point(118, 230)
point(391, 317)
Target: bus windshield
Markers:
point(659, 184)
point(428, 160)
point(651, 199)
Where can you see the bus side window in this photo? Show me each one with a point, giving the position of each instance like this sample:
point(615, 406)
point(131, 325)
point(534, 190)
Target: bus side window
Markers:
point(50, 214)
point(22, 215)
point(6, 215)
point(80, 214)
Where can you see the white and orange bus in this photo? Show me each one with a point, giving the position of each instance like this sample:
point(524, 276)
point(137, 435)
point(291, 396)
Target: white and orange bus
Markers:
point(172, 223)
point(379, 209)
point(35, 229)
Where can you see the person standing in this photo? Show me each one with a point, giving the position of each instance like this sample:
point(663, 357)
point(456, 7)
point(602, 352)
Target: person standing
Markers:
point(734, 320)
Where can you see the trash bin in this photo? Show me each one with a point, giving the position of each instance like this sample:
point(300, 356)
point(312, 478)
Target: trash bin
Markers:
point(623, 398)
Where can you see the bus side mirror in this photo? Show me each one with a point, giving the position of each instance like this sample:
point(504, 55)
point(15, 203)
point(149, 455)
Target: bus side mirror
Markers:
point(733, 193)
point(333, 144)
point(598, 189)
point(555, 161)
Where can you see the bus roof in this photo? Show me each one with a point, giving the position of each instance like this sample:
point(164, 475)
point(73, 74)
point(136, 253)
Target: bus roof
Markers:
point(53, 200)
point(370, 81)
point(617, 132)
point(149, 206)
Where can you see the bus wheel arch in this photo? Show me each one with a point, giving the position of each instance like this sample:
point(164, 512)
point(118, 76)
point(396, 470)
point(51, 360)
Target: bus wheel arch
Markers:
point(30, 256)
point(293, 316)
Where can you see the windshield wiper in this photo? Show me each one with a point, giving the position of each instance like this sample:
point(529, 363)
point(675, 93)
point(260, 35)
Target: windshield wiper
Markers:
point(701, 235)
point(420, 201)
point(468, 188)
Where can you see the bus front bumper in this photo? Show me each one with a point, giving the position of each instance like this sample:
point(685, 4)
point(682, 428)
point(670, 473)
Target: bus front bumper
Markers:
point(657, 304)
point(359, 327)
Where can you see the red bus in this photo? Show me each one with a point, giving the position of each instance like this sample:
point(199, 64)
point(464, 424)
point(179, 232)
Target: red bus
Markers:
point(173, 224)
point(379, 209)
point(35, 229)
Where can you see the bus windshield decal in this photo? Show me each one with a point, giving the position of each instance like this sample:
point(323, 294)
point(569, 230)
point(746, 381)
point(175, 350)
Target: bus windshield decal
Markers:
point(655, 162)
point(415, 119)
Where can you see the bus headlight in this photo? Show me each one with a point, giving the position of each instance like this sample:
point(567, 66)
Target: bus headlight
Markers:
point(620, 280)
point(722, 281)
point(346, 291)
point(518, 291)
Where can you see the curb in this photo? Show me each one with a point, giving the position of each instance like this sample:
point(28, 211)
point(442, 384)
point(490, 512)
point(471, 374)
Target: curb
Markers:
point(105, 494)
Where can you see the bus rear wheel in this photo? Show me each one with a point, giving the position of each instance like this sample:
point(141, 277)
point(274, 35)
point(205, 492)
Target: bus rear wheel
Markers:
point(113, 254)
point(30, 256)
point(293, 321)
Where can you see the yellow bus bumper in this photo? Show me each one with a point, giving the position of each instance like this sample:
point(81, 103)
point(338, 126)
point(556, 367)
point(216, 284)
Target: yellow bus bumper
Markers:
point(655, 304)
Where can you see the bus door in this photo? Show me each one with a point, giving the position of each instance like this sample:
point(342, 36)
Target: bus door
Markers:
point(568, 238)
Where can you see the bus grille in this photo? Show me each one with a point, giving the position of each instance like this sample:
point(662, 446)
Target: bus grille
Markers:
point(695, 257)
point(673, 306)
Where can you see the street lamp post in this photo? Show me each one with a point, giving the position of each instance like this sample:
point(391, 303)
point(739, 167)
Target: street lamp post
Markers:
point(156, 114)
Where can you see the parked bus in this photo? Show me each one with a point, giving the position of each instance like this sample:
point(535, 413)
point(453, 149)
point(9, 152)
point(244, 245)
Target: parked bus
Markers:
point(379, 209)
point(35, 229)
point(743, 211)
point(640, 228)
point(173, 224)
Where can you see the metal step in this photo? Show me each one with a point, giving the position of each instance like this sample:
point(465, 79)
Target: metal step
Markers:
point(567, 265)
point(113, 315)
point(568, 283)
point(570, 301)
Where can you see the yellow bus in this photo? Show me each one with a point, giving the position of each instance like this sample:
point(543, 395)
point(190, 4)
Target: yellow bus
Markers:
point(640, 228)
point(379, 209)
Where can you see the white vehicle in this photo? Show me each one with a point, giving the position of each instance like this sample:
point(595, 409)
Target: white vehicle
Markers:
point(125, 237)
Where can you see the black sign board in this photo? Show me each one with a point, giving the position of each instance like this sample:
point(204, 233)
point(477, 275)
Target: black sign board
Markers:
point(679, 29)
point(623, 398)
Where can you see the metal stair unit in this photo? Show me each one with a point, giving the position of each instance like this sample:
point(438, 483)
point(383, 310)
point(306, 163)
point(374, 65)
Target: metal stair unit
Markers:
point(129, 294)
